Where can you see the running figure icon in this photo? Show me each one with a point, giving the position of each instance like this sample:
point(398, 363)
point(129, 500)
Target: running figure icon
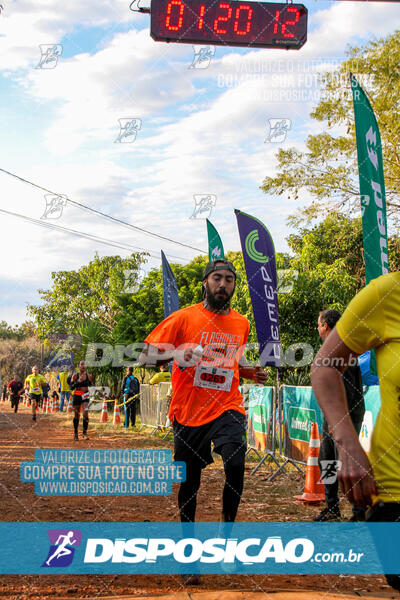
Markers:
point(62, 549)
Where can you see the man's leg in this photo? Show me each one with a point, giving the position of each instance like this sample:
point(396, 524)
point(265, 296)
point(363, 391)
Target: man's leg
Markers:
point(133, 412)
point(33, 404)
point(16, 401)
point(187, 495)
point(358, 511)
point(85, 419)
point(75, 421)
point(328, 452)
point(62, 397)
point(233, 457)
point(126, 410)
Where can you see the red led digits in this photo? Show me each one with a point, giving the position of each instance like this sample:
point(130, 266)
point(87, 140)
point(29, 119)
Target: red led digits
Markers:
point(237, 17)
point(286, 34)
point(277, 15)
point(201, 19)
point(289, 34)
point(169, 15)
point(257, 24)
point(224, 19)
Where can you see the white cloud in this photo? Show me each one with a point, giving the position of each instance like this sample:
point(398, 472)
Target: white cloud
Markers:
point(27, 24)
point(203, 130)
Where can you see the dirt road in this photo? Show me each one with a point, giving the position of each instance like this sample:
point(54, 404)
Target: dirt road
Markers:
point(262, 501)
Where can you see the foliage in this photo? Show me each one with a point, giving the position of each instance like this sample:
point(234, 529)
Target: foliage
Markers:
point(17, 357)
point(19, 332)
point(89, 294)
point(328, 168)
point(325, 266)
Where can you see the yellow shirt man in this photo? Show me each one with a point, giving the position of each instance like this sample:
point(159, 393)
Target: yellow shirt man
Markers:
point(63, 382)
point(372, 320)
point(35, 383)
point(160, 377)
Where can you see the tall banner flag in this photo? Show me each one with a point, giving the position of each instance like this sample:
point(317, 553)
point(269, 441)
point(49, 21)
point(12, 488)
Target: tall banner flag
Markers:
point(170, 288)
point(372, 185)
point(261, 274)
point(372, 189)
point(215, 247)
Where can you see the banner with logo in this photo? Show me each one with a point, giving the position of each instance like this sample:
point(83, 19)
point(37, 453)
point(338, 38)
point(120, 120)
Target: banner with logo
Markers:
point(215, 247)
point(203, 548)
point(372, 189)
point(59, 360)
point(372, 184)
point(170, 288)
point(372, 400)
point(260, 412)
point(259, 259)
point(300, 409)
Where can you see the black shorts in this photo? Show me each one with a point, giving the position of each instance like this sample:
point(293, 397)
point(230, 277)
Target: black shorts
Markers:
point(36, 397)
point(193, 444)
point(78, 400)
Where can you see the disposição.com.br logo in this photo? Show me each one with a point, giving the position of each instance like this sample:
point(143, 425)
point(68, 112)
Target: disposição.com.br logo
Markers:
point(62, 547)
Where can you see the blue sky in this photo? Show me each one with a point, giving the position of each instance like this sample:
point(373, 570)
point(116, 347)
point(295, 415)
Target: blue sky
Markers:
point(202, 131)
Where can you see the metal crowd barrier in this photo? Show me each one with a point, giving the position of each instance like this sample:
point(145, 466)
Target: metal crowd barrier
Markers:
point(278, 419)
point(154, 407)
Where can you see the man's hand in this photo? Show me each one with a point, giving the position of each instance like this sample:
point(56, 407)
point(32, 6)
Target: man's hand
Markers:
point(355, 477)
point(257, 374)
point(191, 356)
point(260, 376)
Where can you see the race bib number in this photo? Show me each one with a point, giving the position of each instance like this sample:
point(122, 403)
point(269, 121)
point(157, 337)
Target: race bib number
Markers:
point(213, 378)
point(36, 390)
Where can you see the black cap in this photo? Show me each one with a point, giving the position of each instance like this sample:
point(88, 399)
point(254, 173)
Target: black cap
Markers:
point(218, 265)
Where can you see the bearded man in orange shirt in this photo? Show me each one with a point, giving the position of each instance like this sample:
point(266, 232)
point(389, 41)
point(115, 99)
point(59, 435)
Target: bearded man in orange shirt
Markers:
point(206, 341)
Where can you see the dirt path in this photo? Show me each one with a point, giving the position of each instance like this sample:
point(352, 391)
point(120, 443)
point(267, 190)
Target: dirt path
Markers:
point(262, 501)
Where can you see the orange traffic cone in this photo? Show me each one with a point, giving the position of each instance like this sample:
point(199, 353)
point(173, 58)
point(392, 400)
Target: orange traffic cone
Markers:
point(314, 490)
point(69, 407)
point(44, 405)
point(104, 413)
point(117, 414)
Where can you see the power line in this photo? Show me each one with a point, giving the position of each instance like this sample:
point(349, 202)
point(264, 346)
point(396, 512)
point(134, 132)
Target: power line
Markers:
point(82, 234)
point(104, 215)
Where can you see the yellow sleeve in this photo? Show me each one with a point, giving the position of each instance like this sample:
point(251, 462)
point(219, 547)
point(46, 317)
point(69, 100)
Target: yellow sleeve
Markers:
point(155, 379)
point(362, 325)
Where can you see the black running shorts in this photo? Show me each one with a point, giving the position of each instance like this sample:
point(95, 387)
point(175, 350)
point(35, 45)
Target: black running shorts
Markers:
point(193, 444)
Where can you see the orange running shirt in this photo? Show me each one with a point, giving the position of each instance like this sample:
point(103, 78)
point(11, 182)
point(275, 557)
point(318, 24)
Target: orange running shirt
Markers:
point(197, 396)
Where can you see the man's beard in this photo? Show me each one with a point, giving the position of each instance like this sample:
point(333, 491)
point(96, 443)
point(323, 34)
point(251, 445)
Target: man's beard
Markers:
point(217, 303)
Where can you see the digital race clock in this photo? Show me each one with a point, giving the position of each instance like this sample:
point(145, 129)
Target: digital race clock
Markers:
point(233, 23)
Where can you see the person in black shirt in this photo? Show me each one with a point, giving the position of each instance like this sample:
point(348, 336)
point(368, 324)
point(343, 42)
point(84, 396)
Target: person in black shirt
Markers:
point(15, 386)
point(328, 453)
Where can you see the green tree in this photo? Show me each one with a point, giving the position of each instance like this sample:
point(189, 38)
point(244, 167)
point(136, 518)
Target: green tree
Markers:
point(140, 312)
point(19, 332)
point(89, 294)
point(328, 169)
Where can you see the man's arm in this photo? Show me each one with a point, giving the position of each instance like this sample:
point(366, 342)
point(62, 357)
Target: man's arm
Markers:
point(151, 356)
point(257, 374)
point(355, 475)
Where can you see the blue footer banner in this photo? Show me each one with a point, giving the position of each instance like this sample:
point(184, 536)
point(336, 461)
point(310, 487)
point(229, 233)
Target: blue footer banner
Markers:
point(220, 548)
